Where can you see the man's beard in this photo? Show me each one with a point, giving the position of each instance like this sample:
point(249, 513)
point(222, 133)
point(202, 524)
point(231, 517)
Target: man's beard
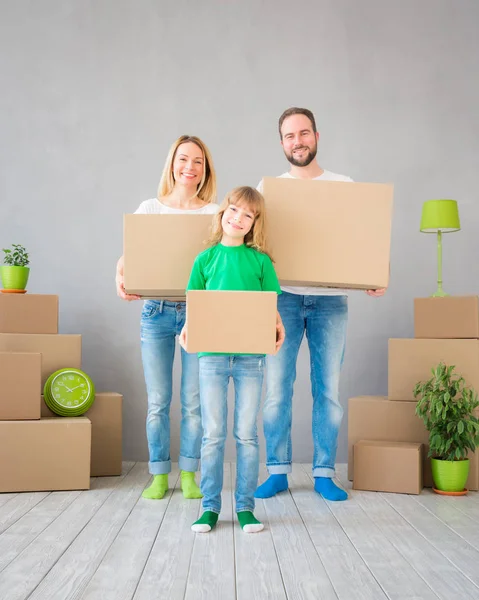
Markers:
point(304, 162)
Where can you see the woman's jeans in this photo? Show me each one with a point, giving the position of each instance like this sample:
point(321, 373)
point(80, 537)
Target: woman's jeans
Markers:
point(324, 319)
point(247, 374)
point(161, 322)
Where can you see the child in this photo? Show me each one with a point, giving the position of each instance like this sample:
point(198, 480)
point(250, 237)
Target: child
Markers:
point(236, 260)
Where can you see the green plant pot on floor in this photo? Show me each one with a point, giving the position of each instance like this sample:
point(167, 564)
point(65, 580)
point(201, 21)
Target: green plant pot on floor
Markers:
point(14, 278)
point(450, 475)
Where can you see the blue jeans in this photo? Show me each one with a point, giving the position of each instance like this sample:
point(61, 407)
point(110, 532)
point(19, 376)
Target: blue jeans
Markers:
point(324, 318)
point(247, 374)
point(161, 322)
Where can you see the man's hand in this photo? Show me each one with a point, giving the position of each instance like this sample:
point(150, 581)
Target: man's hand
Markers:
point(120, 283)
point(280, 332)
point(376, 293)
point(182, 338)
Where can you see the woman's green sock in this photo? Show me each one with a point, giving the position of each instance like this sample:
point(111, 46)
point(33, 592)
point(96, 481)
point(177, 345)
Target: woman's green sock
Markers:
point(158, 487)
point(249, 523)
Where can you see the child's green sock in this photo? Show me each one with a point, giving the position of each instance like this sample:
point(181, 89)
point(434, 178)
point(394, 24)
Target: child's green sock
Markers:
point(249, 523)
point(158, 488)
point(188, 485)
point(206, 523)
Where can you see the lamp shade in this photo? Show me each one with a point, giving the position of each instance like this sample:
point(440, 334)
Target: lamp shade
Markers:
point(440, 215)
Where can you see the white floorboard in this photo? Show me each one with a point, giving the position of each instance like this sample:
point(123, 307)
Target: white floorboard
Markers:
point(109, 543)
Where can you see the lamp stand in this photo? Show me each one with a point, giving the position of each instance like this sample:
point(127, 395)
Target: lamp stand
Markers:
point(439, 292)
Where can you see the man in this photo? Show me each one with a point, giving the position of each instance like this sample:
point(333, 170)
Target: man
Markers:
point(321, 313)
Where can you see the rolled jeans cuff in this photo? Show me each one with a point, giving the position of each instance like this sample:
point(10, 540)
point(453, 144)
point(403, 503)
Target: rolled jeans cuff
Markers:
point(323, 472)
point(188, 464)
point(159, 468)
point(279, 469)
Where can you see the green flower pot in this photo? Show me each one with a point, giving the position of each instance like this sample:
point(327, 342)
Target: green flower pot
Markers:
point(14, 278)
point(450, 475)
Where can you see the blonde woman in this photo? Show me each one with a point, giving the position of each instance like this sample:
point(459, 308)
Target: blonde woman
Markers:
point(187, 186)
point(236, 260)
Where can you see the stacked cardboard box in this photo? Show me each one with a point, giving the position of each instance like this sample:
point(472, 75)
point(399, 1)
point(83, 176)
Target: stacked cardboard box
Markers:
point(445, 329)
point(37, 451)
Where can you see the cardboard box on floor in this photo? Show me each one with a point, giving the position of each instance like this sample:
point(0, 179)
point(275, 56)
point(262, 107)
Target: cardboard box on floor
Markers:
point(451, 317)
point(20, 385)
point(388, 467)
point(58, 350)
point(231, 322)
point(159, 251)
point(45, 455)
point(106, 433)
point(377, 418)
point(28, 313)
point(411, 361)
point(329, 233)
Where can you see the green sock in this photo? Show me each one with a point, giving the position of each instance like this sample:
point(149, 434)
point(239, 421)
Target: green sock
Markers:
point(249, 523)
point(188, 485)
point(206, 523)
point(158, 488)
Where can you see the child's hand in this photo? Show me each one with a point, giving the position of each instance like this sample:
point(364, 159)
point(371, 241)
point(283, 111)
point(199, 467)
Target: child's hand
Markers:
point(280, 332)
point(376, 293)
point(182, 338)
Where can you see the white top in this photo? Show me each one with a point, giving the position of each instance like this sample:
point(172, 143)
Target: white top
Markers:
point(154, 207)
point(314, 291)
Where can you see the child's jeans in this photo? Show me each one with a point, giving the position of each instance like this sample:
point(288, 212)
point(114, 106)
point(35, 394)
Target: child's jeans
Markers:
point(247, 374)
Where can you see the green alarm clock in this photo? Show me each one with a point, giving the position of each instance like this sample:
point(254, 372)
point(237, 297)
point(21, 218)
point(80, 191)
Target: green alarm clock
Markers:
point(69, 392)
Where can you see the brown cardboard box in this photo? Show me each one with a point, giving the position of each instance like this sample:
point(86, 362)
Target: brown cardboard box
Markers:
point(388, 467)
point(377, 418)
point(28, 313)
point(159, 251)
point(106, 433)
point(449, 317)
point(58, 351)
point(231, 322)
point(329, 233)
point(411, 361)
point(20, 385)
point(45, 455)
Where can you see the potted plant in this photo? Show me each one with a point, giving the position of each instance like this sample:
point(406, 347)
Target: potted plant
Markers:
point(446, 405)
point(15, 271)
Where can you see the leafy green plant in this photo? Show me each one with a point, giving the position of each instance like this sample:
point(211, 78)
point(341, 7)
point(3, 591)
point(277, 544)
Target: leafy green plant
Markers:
point(446, 406)
point(16, 257)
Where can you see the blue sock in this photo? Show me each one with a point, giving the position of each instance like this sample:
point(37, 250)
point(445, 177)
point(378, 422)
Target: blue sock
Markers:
point(328, 489)
point(273, 485)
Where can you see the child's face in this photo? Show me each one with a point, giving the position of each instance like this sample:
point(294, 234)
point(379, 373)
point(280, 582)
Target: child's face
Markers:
point(237, 220)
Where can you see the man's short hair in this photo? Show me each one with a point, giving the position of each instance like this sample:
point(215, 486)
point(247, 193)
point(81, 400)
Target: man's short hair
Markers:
point(294, 110)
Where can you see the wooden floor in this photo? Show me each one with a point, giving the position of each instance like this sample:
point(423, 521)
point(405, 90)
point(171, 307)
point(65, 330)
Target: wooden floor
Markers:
point(109, 543)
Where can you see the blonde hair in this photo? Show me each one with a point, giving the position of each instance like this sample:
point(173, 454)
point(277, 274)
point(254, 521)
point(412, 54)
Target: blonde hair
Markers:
point(206, 190)
point(254, 201)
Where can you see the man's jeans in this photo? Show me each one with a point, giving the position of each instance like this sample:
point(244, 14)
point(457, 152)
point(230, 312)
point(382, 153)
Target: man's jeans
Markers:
point(161, 322)
point(247, 374)
point(324, 318)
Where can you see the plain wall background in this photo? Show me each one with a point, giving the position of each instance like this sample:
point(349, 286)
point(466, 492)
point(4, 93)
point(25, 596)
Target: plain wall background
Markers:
point(94, 93)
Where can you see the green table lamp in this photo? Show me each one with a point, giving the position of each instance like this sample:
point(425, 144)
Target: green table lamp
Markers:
point(439, 216)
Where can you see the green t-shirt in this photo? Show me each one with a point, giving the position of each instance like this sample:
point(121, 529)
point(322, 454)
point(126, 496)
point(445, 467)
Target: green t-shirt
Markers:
point(233, 268)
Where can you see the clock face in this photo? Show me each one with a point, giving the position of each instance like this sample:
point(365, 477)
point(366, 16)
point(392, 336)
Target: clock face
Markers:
point(70, 389)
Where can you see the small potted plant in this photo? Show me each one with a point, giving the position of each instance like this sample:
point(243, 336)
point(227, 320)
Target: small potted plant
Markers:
point(446, 405)
point(15, 271)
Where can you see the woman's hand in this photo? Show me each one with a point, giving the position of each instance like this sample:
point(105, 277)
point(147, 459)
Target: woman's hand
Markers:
point(376, 293)
point(280, 332)
point(182, 338)
point(120, 283)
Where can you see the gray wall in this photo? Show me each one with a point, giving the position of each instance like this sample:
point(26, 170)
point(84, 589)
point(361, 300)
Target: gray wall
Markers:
point(93, 94)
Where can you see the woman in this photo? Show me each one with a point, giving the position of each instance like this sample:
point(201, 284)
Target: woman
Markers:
point(187, 186)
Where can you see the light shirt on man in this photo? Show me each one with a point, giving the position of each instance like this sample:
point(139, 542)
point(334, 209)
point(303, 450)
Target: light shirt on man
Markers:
point(314, 291)
point(154, 207)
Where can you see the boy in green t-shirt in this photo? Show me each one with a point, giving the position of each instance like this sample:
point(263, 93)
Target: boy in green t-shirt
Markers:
point(236, 260)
